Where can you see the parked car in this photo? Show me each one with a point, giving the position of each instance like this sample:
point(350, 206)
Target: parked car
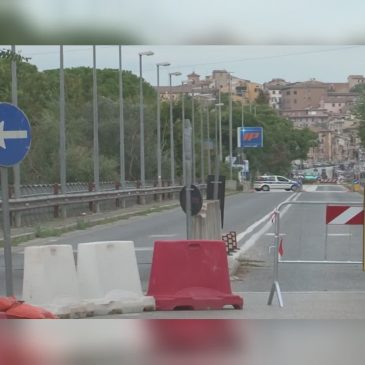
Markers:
point(310, 178)
point(268, 182)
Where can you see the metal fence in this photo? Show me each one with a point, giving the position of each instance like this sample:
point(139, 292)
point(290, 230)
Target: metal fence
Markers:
point(314, 244)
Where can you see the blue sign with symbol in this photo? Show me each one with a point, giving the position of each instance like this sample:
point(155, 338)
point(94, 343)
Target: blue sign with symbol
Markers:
point(15, 135)
point(250, 137)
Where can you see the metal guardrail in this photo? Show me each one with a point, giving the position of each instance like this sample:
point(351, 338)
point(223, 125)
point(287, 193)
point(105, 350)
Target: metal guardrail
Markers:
point(43, 201)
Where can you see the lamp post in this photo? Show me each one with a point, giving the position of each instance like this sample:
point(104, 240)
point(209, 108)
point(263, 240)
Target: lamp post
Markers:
point(220, 124)
point(172, 154)
point(141, 116)
point(218, 153)
point(230, 126)
point(159, 173)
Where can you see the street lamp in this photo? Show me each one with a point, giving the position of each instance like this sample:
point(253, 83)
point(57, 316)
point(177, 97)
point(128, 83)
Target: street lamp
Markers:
point(159, 123)
point(172, 157)
point(141, 116)
point(218, 152)
point(230, 126)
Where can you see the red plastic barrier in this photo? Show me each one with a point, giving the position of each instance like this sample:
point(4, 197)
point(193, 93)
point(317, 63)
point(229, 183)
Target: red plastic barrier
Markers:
point(191, 275)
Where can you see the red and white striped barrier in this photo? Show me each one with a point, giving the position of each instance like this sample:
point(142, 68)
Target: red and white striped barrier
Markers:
point(328, 181)
point(340, 214)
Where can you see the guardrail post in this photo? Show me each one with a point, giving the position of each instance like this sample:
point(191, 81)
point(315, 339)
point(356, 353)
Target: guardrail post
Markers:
point(117, 201)
point(141, 198)
point(92, 206)
point(56, 208)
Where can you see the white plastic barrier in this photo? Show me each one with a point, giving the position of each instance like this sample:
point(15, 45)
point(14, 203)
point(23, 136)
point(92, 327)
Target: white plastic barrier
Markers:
point(50, 280)
point(109, 279)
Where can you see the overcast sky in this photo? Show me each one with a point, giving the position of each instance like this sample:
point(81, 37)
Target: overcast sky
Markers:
point(256, 40)
point(207, 21)
point(256, 63)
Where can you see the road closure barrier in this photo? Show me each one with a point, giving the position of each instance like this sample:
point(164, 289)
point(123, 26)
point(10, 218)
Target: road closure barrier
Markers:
point(109, 280)
point(50, 280)
point(191, 275)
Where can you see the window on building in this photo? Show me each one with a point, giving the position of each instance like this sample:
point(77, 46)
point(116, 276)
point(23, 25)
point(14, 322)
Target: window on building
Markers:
point(295, 92)
point(333, 104)
point(288, 92)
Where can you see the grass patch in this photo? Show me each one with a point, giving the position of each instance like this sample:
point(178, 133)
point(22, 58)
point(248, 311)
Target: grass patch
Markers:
point(81, 224)
point(41, 232)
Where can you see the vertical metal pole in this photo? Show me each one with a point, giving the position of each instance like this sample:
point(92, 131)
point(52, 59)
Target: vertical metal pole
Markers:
point(275, 285)
point(193, 136)
point(208, 144)
point(201, 146)
point(220, 127)
point(216, 170)
point(62, 126)
point(6, 231)
point(172, 157)
point(188, 161)
point(158, 129)
point(96, 129)
point(230, 128)
point(363, 239)
point(121, 122)
point(141, 124)
point(16, 168)
point(183, 127)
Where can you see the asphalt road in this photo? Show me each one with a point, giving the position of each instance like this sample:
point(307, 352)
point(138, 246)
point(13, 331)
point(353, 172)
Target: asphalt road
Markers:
point(249, 215)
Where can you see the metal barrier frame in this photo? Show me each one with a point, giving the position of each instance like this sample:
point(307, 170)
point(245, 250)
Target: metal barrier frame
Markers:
point(275, 287)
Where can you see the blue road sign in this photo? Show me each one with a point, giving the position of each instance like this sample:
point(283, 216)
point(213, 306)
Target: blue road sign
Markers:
point(250, 137)
point(15, 135)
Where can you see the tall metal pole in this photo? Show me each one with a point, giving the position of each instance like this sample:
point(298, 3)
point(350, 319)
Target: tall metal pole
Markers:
point(216, 152)
point(6, 231)
point(193, 136)
point(16, 168)
point(172, 154)
point(121, 122)
point(201, 145)
point(220, 126)
point(62, 126)
point(230, 128)
point(96, 126)
point(158, 129)
point(188, 160)
point(183, 128)
point(208, 144)
point(141, 124)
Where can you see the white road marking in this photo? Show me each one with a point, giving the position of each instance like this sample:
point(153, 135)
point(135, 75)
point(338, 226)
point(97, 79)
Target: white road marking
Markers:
point(241, 235)
point(143, 249)
point(252, 240)
point(310, 188)
point(339, 234)
point(273, 234)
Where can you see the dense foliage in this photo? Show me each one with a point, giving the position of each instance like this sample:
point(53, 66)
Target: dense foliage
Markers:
point(38, 97)
point(360, 113)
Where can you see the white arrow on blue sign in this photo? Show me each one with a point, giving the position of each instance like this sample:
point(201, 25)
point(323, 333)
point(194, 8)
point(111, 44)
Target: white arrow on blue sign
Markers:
point(15, 135)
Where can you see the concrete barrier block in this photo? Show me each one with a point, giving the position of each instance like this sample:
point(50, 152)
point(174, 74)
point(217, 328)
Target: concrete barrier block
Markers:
point(207, 223)
point(50, 279)
point(108, 278)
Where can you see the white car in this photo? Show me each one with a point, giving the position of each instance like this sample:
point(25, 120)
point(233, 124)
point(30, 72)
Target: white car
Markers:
point(268, 182)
